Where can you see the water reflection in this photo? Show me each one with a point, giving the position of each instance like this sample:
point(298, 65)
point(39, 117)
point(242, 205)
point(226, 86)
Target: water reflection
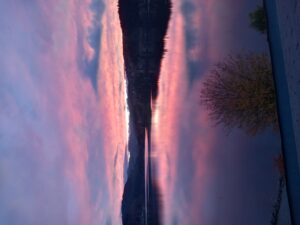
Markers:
point(79, 145)
point(194, 158)
point(144, 25)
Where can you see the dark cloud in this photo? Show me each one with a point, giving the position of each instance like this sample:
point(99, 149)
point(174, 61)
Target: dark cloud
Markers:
point(91, 67)
point(232, 32)
point(196, 40)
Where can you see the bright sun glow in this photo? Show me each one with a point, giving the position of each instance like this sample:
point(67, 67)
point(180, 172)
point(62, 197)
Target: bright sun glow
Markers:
point(126, 115)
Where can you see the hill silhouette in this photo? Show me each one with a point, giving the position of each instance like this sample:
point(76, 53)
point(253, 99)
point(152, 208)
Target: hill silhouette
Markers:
point(144, 25)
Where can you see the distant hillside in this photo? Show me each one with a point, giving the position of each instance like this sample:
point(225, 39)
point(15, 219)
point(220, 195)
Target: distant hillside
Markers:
point(144, 25)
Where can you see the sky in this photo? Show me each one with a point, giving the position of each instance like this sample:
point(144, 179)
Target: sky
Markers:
point(63, 113)
point(209, 176)
point(63, 117)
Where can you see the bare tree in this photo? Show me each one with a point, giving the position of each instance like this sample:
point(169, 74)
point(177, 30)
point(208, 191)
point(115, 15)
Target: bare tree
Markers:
point(239, 92)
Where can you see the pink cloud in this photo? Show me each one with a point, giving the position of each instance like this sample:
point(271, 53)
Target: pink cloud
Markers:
point(178, 112)
point(52, 121)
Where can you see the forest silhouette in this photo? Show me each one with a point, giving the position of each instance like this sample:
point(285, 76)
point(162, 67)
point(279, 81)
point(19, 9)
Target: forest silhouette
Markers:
point(144, 25)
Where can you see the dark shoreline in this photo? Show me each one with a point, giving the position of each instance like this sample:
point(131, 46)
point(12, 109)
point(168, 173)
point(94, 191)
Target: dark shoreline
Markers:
point(144, 26)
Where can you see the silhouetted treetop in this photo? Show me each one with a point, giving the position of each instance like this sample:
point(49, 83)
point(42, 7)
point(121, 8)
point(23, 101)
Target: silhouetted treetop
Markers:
point(258, 20)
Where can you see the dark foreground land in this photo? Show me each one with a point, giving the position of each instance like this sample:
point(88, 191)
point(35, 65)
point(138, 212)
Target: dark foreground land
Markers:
point(284, 38)
point(144, 25)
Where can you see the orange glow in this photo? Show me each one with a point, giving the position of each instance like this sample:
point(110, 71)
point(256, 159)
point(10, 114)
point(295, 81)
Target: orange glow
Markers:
point(56, 123)
point(175, 109)
point(167, 113)
point(113, 105)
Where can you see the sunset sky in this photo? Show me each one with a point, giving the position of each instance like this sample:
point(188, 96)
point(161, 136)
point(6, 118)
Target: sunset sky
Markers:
point(209, 176)
point(63, 117)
